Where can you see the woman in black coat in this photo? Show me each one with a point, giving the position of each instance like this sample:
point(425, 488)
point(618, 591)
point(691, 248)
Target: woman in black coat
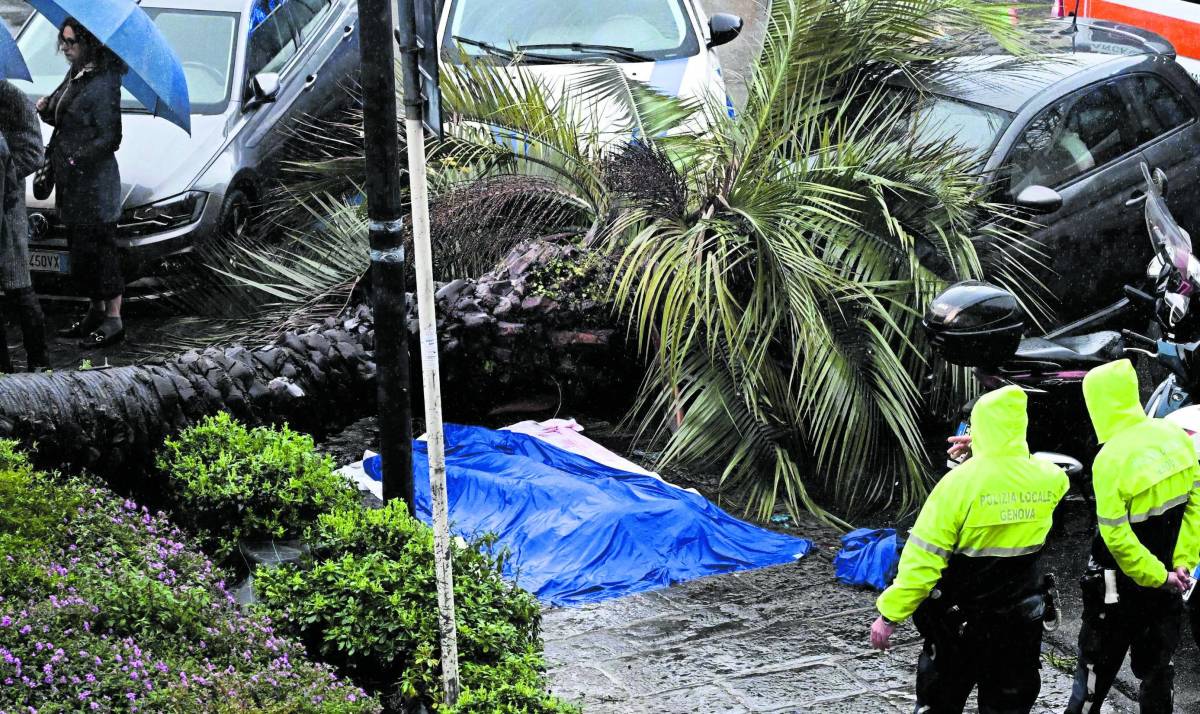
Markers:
point(85, 112)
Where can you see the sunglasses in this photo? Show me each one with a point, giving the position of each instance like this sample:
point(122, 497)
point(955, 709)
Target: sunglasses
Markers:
point(69, 41)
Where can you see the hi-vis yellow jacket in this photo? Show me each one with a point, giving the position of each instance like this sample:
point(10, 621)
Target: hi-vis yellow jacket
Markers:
point(1146, 478)
point(983, 527)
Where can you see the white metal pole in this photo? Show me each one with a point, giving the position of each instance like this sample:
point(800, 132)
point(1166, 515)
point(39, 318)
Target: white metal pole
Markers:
point(427, 315)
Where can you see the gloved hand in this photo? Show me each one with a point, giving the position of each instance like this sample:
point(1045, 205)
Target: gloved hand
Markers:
point(881, 633)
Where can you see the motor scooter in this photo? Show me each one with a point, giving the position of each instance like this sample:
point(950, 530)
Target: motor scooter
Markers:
point(981, 326)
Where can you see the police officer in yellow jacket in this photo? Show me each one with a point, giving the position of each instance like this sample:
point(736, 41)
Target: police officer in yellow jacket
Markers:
point(1148, 517)
point(969, 573)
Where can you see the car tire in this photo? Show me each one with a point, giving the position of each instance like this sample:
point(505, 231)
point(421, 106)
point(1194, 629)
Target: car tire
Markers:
point(236, 214)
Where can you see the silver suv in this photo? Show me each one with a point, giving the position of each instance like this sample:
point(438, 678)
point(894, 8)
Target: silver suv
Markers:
point(252, 67)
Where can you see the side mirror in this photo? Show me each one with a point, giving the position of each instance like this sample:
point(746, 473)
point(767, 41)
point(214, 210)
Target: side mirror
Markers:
point(1067, 463)
point(723, 28)
point(1160, 178)
point(264, 89)
point(1039, 199)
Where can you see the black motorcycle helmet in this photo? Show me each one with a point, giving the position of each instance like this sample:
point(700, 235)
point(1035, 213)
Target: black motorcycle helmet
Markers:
point(975, 324)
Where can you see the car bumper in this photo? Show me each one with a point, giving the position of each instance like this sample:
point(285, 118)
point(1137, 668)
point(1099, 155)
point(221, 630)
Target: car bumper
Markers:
point(142, 256)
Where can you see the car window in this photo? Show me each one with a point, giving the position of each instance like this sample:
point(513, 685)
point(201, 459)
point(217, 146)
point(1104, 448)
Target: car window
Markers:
point(1163, 108)
point(659, 29)
point(308, 15)
point(1070, 138)
point(204, 41)
point(935, 119)
point(272, 40)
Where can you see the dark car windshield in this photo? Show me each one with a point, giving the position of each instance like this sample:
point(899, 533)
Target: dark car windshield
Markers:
point(972, 127)
point(204, 42)
point(655, 29)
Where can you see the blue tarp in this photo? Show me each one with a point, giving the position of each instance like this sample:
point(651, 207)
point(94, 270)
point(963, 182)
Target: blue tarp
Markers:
point(581, 532)
point(868, 557)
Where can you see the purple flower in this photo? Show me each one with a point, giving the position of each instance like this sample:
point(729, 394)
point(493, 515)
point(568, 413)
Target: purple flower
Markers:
point(5, 621)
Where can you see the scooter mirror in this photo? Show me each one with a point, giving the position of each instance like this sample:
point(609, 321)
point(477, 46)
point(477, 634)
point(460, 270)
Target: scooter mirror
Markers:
point(1070, 464)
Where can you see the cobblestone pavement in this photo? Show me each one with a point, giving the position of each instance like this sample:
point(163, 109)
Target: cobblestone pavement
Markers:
point(782, 639)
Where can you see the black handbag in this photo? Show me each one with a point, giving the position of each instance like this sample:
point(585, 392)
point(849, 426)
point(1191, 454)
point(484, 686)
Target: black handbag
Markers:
point(43, 181)
point(43, 178)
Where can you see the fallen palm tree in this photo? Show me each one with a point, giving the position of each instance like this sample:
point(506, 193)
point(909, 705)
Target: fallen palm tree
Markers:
point(523, 329)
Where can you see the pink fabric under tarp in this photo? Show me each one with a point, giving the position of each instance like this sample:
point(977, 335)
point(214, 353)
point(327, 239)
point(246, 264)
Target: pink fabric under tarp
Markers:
point(566, 435)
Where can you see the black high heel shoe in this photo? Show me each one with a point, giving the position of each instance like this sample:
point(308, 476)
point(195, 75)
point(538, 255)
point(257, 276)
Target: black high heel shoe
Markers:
point(98, 338)
point(83, 327)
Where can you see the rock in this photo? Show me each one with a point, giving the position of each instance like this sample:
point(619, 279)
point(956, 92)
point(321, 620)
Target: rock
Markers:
point(588, 338)
point(539, 304)
point(466, 305)
point(509, 329)
point(451, 290)
point(476, 320)
point(504, 307)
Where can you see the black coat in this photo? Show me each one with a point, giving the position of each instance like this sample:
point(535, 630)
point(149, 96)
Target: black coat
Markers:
point(20, 156)
point(87, 122)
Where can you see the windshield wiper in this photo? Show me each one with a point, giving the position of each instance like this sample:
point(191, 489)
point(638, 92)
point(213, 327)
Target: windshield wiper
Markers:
point(501, 52)
point(613, 50)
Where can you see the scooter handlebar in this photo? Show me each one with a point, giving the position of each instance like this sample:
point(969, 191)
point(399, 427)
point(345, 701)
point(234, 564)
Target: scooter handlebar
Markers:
point(1138, 296)
point(1132, 336)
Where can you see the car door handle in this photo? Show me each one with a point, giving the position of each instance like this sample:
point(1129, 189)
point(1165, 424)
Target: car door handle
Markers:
point(347, 31)
point(309, 82)
point(1137, 199)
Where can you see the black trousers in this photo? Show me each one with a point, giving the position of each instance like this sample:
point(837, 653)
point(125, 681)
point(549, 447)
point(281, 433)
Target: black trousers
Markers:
point(33, 330)
point(1145, 623)
point(1001, 658)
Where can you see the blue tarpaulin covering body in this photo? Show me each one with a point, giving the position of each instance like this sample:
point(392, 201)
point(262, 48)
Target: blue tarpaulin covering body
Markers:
point(868, 557)
point(582, 532)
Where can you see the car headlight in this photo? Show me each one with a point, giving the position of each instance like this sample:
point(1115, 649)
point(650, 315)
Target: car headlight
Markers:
point(168, 213)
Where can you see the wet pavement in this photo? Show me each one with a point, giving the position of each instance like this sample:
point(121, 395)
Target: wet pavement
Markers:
point(150, 332)
point(782, 639)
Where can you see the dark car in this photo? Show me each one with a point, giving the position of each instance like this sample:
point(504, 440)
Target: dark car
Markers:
point(1063, 137)
point(253, 68)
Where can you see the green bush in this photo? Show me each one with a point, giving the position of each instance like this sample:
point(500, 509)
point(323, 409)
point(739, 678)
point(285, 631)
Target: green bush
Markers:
point(30, 519)
point(368, 604)
point(231, 483)
point(123, 615)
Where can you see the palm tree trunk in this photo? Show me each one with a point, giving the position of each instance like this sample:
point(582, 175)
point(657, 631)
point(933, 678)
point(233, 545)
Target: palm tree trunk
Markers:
point(500, 342)
point(114, 419)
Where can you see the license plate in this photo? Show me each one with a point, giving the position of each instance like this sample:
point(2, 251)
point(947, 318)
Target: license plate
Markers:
point(48, 261)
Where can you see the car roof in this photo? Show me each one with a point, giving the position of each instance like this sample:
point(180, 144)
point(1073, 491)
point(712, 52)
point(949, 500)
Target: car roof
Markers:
point(1007, 83)
point(237, 6)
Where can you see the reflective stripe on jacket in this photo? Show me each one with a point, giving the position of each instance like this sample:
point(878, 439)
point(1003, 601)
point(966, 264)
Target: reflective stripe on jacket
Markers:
point(982, 529)
point(1146, 479)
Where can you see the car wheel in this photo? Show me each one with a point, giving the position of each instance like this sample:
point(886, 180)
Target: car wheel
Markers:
point(236, 214)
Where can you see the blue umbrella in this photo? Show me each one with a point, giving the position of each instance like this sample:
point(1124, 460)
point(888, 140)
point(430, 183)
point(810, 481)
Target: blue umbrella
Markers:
point(12, 64)
point(155, 75)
